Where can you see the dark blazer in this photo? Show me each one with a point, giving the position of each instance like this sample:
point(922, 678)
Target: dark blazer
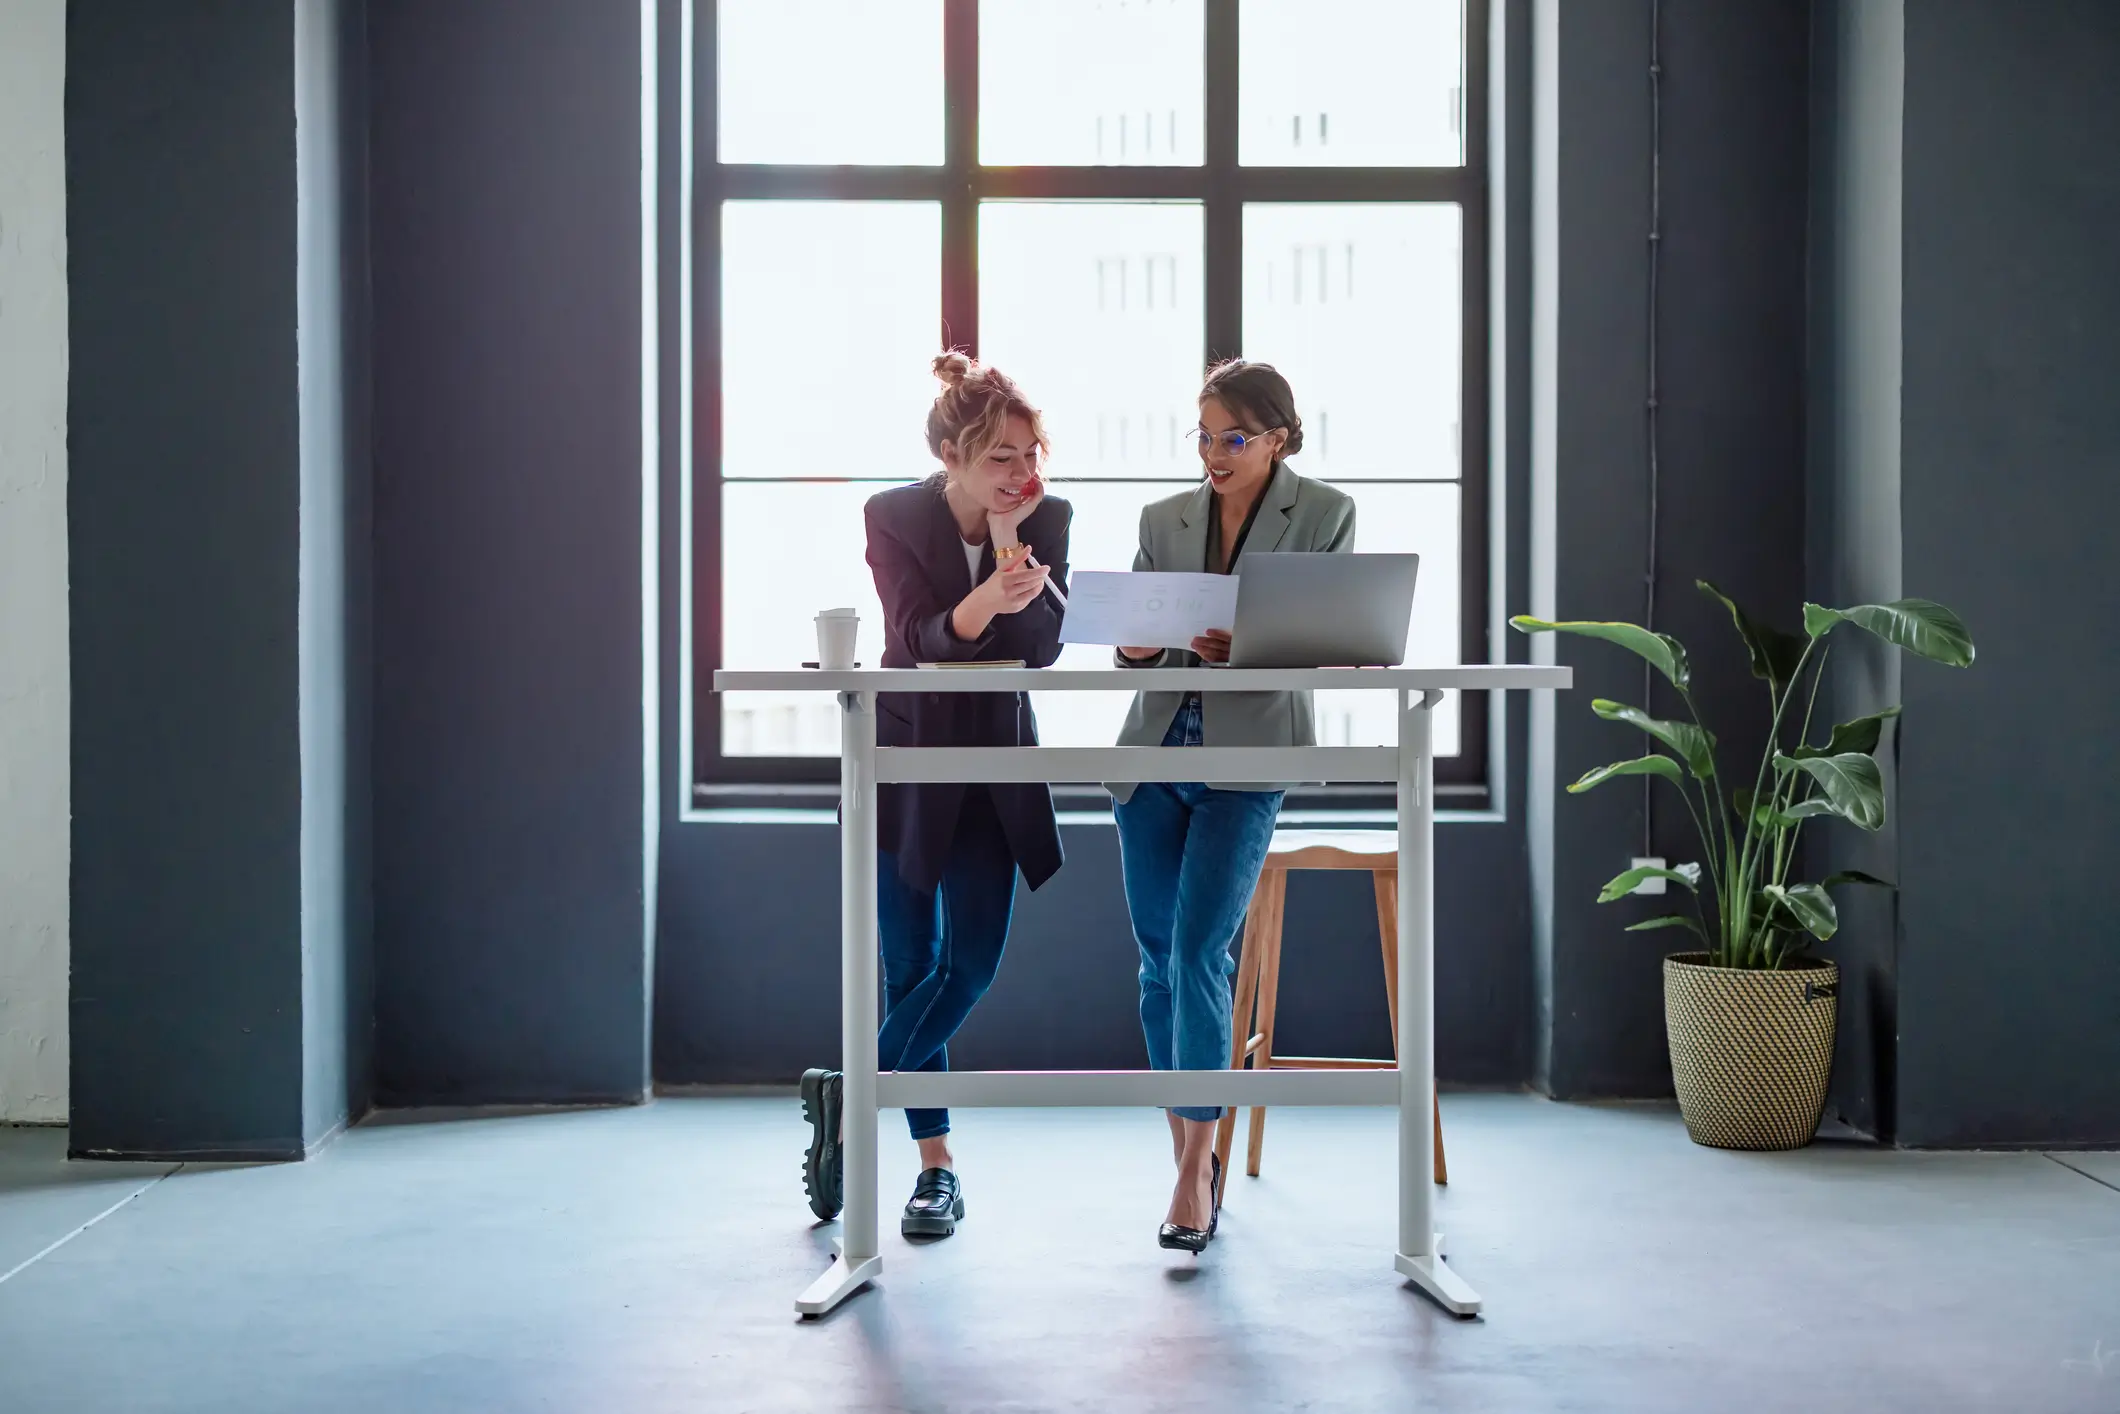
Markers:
point(918, 559)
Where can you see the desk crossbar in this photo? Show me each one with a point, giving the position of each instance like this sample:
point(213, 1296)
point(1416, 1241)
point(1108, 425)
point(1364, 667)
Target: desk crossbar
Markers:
point(974, 1089)
point(1096, 765)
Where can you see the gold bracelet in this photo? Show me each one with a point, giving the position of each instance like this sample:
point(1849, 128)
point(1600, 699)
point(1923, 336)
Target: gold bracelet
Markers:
point(1004, 554)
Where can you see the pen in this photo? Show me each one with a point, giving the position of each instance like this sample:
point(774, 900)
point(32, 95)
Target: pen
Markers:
point(1058, 597)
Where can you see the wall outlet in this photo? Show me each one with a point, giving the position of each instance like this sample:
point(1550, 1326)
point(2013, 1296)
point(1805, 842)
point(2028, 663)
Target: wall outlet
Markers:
point(1649, 886)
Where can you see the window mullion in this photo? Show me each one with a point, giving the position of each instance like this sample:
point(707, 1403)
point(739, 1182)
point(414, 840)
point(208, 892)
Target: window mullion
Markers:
point(1223, 259)
point(960, 159)
point(705, 529)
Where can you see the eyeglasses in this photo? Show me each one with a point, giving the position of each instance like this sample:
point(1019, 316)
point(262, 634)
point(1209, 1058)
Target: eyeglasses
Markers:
point(1231, 443)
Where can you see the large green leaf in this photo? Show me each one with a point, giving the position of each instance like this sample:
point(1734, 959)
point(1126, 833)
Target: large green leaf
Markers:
point(1852, 785)
point(1642, 766)
point(1861, 735)
point(1921, 626)
point(1856, 876)
point(1620, 887)
point(1692, 743)
point(1665, 653)
point(1669, 920)
point(1775, 654)
point(1806, 906)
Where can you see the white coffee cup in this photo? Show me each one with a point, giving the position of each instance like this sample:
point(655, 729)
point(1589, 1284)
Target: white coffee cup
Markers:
point(836, 632)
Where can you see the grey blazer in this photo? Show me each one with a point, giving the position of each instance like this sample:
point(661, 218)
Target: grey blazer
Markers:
point(1296, 514)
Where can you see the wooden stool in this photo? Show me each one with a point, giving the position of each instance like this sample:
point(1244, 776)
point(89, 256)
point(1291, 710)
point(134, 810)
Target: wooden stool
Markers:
point(1259, 967)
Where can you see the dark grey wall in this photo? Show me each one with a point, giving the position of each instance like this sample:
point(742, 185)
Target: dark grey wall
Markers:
point(1962, 366)
point(360, 560)
point(1603, 1008)
point(1731, 328)
point(221, 518)
point(1730, 497)
point(183, 502)
point(2009, 984)
point(511, 848)
point(748, 966)
point(1853, 492)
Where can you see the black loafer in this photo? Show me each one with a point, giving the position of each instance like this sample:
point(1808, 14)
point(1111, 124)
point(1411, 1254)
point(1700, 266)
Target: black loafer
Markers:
point(936, 1207)
point(824, 1167)
point(1191, 1239)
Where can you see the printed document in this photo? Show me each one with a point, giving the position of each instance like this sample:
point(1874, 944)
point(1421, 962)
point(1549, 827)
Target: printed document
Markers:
point(1146, 610)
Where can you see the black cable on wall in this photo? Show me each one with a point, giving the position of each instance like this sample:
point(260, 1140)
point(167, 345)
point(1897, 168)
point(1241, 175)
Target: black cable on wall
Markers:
point(1655, 243)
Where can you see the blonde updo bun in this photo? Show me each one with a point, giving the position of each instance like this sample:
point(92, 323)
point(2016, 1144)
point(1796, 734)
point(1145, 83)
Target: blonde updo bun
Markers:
point(972, 411)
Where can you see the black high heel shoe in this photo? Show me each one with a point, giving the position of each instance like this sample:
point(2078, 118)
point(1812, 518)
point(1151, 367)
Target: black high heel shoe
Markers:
point(1179, 1238)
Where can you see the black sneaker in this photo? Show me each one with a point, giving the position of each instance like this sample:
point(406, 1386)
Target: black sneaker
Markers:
point(824, 1167)
point(936, 1207)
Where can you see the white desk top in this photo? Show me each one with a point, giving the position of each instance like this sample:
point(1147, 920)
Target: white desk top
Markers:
point(1513, 676)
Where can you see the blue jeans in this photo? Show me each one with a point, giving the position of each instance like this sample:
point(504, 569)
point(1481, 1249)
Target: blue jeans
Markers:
point(1191, 856)
point(941, 947)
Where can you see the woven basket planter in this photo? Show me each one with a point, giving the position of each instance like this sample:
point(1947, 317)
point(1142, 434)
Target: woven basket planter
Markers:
point(1750, 1051)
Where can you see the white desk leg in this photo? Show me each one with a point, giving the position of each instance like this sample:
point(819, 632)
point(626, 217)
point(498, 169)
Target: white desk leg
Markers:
point(1420, 1257)
point(858, 1261)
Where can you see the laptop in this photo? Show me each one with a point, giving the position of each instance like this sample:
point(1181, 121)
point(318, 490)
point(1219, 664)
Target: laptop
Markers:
point(1322, 611)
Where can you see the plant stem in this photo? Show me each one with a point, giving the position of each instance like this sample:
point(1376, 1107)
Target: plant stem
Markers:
point(1718, 810)
point(1788, 787)
point(1766, 763)
point(1791, 836)
point(1708, 840)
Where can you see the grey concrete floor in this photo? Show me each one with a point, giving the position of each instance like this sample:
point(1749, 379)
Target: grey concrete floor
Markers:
point(646, 1260)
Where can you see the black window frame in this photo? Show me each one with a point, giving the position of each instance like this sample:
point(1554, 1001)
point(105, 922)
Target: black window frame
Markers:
point(1223, 187)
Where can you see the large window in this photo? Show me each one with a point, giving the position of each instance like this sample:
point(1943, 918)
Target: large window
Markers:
point(1100, 197)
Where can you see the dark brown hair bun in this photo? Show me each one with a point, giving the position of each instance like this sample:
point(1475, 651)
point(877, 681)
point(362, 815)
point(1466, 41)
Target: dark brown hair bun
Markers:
point(1259, 396)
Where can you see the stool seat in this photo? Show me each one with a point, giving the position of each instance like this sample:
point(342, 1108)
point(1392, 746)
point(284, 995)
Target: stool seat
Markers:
point(1258, 981)
point(1333, 849)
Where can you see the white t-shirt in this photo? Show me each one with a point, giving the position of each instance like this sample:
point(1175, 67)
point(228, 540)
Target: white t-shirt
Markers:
point(971, 560)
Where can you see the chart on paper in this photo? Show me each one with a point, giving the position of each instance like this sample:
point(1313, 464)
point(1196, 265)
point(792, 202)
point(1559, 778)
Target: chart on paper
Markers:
point(1146, 610)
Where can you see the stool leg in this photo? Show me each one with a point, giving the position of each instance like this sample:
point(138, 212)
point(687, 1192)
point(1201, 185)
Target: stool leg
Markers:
point(1442, 1168)
point(1240, 1032)
point(1275, 885)
point(1387, 891)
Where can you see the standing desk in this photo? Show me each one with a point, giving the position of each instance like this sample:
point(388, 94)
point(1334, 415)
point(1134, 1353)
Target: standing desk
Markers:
point(1410, 764)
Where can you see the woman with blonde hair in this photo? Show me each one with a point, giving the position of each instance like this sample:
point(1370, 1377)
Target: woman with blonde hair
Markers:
point(964, 564)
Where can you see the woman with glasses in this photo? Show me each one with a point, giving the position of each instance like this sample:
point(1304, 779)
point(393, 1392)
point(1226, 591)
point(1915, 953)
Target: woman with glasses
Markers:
point(966, 563)
point(1191, 853)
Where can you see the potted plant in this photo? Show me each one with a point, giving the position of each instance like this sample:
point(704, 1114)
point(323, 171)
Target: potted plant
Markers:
point(1750, 1015)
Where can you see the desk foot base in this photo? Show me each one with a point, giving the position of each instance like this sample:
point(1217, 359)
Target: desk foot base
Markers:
point(1433, 1275)
point(841, 1280)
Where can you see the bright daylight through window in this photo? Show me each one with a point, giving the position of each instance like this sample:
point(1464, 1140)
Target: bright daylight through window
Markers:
point(1098, 197)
